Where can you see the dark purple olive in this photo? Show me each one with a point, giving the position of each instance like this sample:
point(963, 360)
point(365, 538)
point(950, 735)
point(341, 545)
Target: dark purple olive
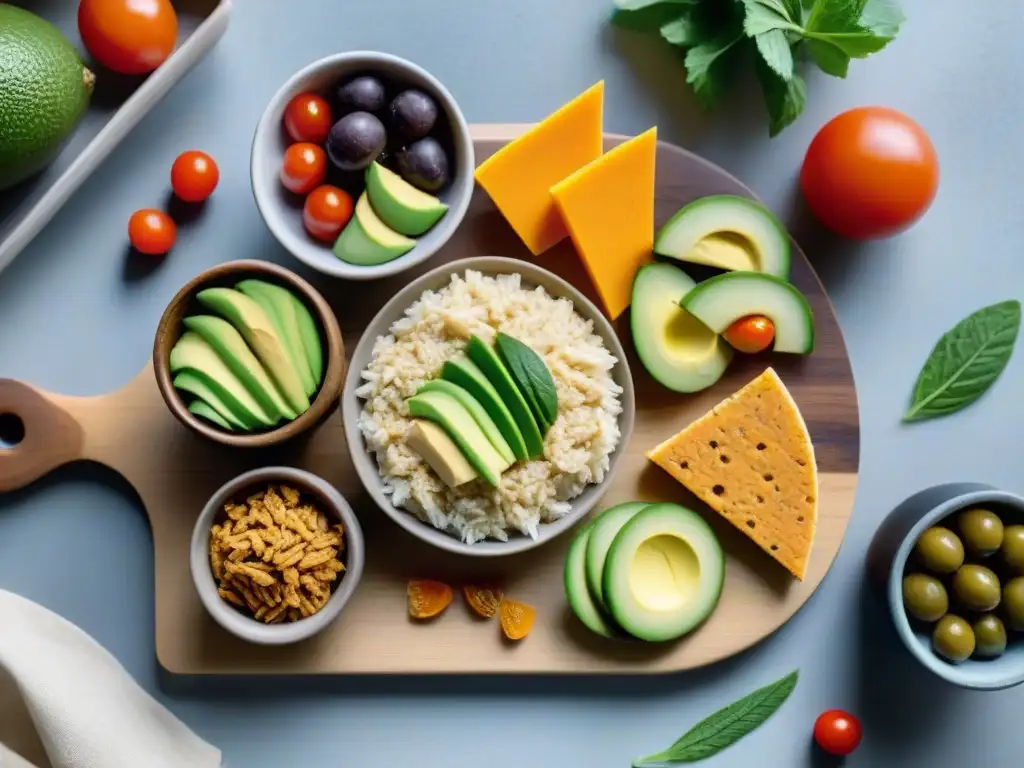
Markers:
point(412, 115)
point(355, 141)
point(361, 94)
point(424, 164)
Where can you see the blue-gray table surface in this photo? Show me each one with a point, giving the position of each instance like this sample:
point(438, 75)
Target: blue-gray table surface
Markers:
point(76, 317)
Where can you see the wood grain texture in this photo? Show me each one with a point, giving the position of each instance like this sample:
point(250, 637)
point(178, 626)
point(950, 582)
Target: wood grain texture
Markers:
point(175, 471)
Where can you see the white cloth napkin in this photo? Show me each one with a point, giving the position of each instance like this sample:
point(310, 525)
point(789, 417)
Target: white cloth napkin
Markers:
point(87, 710)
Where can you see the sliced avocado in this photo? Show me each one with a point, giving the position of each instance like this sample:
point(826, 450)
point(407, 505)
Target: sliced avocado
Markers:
point(262, 337)
point(400, 205)
point(728, 232)
point(231, 348)
point(576, 592)
point(664, 573)
point(367, 241)
point(480, 352)
point(444, 409)
point(193, 354)
point(678, 350)
point(476, 410)
point(531, 375)
point(204, 410)
point(187, 381)
point(277, 303)
point(434, 446)
point(310, 339)
point(722, 300)
point(606, 526)
point(464, 372)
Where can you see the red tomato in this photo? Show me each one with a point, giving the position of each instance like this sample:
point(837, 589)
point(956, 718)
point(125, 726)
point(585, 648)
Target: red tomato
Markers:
point(870, 172)
point(304, 168)
point(308, 118)
point(194, 176)
point(837, 732)
point(326, 212)
point(131, 37)
point(751, 334)
point(152, 232)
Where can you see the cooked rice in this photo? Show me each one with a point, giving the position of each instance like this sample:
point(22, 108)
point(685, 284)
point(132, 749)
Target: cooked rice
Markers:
point(576, 448)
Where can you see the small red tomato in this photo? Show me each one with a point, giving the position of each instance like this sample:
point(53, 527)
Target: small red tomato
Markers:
point(837, 732)
point(870, 172)
point(130, 37)
point(308, 118)
point(152, 232)
point(326, 212)
point(304, 168)
point(194, 176)
point(751, 334)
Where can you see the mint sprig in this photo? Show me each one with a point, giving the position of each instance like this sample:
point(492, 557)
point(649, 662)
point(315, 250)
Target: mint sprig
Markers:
point(715, 35)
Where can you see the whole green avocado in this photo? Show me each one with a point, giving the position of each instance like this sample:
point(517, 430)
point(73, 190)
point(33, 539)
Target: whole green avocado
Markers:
point(44, 91)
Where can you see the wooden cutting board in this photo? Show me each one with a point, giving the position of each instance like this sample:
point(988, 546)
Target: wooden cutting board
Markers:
point(175, 472)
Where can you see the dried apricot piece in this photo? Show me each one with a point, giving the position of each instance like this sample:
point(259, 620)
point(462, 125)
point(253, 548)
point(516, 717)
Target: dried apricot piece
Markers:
point(516, 619)
point(483, 600)
point(428, 598)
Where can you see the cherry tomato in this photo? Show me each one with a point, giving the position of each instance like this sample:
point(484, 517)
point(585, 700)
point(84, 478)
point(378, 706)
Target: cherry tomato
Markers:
point(152, 232)
point(308, 118)
point(326, 212)
point(751, 334)
point(194, 176)
point(870, 172)
point(130, 37)
point(837, 732)
point(304, 167)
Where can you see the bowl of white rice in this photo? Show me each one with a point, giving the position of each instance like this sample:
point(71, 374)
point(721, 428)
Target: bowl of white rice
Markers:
point(429, 322)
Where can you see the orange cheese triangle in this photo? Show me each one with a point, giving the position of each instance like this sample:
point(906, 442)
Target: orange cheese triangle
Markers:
point(519, 176)
point(750, 459)
point(608, 207)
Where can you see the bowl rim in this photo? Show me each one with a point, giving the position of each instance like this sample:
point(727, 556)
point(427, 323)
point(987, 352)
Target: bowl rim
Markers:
point(334, 352)
point(365, 463)
point(250, 629)
point(894, 589)
point(269, 122)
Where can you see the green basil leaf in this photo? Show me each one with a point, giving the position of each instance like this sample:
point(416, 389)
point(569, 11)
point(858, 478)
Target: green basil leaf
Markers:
point(682, 32)
point(761, 17)
point(829, 59)
point(785, 100)
point(532, 377)
point(709, 68)
point(649, 15)
point(794, 10)
point(966, 361)
point(774, 49)
point(883, 17)
point(726, 726)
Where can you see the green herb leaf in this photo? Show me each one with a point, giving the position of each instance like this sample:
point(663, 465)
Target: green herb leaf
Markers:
point(785, 100)
point(794, 10)
point(532, 377)
point(883, 17)
point(764, 16)
point(774, 49)
point(966, 361)
point(829, 59)
point(649, 15)
point(709, 68)
point(837, 23)
point(726, 726)
point(682, 32)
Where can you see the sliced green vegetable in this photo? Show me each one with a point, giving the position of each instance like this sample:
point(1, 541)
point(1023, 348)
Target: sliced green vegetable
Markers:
point(532, 376)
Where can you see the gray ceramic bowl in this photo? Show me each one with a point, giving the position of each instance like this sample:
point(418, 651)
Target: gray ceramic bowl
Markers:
point(887, 560)
point(278, 206)
point(366, 464)
point(329, 501)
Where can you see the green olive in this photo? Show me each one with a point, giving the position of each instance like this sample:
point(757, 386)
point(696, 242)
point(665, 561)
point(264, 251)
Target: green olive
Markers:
point(1013, 603)
point(990, 637)
point(924, 597)
point(976, 587)
point(940, 550)
point(953, 638)
point(981, 530)
point(1012, 551)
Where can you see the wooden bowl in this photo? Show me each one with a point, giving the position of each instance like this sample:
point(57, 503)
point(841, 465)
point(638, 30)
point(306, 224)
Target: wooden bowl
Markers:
point(227, 276)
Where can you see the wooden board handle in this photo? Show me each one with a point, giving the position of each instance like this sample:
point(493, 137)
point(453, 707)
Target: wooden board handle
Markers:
point(51, 436)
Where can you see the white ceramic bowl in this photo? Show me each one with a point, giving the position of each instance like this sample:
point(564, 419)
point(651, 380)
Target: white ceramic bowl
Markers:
point(329, 501)
point(278, 206)
point(366, 464)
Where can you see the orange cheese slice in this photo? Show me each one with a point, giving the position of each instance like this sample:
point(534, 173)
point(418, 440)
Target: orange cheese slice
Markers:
point(750, 459)
point(608, 207)
point(519, 176)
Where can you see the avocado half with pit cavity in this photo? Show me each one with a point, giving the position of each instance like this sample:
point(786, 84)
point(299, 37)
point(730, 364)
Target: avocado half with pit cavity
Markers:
point(722, 300)
point(728, 232)
point(678, 350)
point(664, 573)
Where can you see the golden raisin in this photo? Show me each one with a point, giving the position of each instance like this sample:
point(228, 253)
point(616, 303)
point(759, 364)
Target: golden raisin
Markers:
point(483, 600)
point(516, 619)
point(428, 598)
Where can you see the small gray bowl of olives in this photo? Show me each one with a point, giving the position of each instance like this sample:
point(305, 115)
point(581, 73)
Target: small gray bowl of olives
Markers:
point(362, 165)
point(949, 561)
